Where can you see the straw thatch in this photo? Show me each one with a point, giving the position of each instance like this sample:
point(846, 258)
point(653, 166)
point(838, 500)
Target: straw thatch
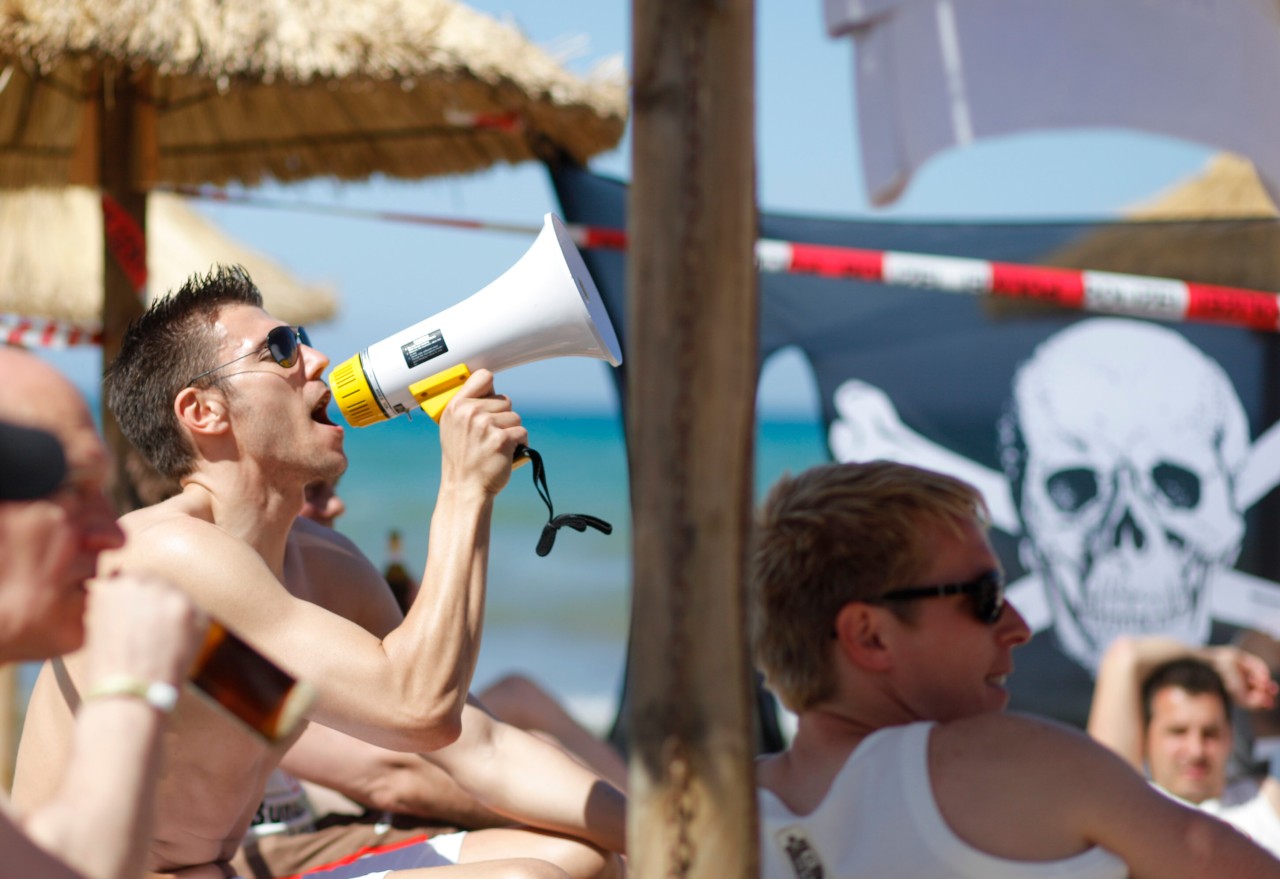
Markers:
point(1227, 189)
point(1219, 227)
point(46, 271)
point(242, 90)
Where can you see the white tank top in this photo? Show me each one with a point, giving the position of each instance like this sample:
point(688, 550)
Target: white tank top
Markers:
point(880, 820)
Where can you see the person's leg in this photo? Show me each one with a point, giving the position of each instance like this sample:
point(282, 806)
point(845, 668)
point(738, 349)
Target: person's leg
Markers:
point(431, 867)
point(513, 868)
point(579, 859)
point(521, 702)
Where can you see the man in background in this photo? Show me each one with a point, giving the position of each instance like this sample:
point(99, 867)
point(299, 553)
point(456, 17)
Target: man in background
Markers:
point(1165, 707)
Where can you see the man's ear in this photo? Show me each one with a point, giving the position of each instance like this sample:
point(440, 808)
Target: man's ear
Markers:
point(201, 411)
point(859, 631)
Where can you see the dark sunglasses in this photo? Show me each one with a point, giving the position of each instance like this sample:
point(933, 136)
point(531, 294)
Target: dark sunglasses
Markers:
point(284, 343)
point(987, 590)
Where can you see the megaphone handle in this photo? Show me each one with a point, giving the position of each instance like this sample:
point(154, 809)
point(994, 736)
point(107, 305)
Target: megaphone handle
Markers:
point(434, 392)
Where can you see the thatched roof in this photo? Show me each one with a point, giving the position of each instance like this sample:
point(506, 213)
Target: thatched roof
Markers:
point(1219, 227)
point(48, 271)
point(1227, 189)
point(289, 89)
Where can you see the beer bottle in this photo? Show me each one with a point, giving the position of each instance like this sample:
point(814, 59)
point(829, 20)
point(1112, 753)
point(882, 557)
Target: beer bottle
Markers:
point(397, 577)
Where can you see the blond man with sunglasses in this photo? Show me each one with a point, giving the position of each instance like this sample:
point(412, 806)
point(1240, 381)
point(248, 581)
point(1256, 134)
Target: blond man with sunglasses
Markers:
point(878, 617)
point(230, 403)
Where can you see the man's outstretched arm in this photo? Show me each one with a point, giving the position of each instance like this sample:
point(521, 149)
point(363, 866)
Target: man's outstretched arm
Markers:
point(532, 781)
point(404, 687)
point(495, 774)
point(385, 780)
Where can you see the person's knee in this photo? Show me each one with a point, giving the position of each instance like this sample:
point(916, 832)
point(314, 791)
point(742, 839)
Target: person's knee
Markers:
point(515, 699)
point(579, 859)
point(531, 868)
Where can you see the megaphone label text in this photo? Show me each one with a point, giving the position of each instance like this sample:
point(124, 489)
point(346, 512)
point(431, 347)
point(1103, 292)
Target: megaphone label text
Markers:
point(423, 348)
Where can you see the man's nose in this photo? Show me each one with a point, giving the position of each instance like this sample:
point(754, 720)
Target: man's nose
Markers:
point(1197, 744)
point(314, 362)
point(1013, 629)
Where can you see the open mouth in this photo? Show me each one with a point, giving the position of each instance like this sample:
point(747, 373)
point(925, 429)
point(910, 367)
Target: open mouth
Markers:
point(321, 411)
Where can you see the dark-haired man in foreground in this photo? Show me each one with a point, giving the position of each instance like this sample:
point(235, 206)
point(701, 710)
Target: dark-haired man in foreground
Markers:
point(229, 402)
point(879, 618)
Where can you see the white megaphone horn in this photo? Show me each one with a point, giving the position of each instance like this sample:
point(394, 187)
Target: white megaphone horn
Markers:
point(544, 306)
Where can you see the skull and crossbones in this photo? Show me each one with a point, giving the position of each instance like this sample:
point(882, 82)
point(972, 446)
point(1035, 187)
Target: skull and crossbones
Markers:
point(1126, 470)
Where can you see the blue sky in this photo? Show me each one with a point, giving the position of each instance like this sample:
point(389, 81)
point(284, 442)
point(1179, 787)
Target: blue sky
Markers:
point(390, 276)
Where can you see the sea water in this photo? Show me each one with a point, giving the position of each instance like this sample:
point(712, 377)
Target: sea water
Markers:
point(561, 619)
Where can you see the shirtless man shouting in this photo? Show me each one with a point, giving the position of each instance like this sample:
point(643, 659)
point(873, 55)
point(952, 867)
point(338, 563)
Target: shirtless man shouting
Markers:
point(229, 402)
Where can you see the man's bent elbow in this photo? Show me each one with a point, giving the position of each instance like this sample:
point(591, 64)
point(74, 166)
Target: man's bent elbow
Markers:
point(444, 732)
point(430, 731)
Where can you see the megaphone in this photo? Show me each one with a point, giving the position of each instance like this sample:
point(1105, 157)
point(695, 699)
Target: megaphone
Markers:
point(544, 306)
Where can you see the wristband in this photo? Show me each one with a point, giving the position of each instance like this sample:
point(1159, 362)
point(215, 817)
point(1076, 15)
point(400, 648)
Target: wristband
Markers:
point(159, 695)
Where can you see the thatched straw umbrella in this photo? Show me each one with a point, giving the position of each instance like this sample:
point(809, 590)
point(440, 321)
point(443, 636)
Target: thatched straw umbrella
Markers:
point(54, 277)
point(128, 94)
point(1227, 189)
point(244, 90)
point(1218, 227)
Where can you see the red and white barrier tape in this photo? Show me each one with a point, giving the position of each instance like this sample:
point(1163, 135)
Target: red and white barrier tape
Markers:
point(1137, 295)
point(126, 241)
point(1106, 292)
point(34, 333)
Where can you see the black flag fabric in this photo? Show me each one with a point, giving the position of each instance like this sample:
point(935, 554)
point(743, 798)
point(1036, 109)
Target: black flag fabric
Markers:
point(1128, 464)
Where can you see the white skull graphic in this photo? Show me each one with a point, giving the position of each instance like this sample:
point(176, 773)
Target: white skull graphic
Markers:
point(1122, 446)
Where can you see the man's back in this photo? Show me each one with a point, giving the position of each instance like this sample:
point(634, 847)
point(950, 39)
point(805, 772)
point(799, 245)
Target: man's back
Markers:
point(880, 816)
point(880, 608)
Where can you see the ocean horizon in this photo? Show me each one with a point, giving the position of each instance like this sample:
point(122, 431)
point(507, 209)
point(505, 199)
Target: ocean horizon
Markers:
point(561, 619)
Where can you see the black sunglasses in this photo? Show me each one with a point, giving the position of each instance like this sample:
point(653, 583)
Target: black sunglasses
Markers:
point(284, 343)
point(987, 590)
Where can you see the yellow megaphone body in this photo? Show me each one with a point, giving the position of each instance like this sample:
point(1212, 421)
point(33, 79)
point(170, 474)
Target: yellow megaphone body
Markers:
point(544, 306)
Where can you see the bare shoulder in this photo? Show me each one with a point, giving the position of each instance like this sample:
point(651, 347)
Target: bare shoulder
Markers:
point(1020, 749)
point(178, 518)
point(181, 544)
point(313, 535)
point(1009, 751)
point(1028, 788)
point(1013, 731)
point(326, 568)
point(171, 534)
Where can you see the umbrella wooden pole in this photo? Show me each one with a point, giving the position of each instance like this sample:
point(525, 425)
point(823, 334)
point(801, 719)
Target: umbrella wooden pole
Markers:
point(691, 390)
point(9, 701)
point(120, 167)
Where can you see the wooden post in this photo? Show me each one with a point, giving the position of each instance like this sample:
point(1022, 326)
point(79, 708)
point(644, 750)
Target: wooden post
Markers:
point(9, 728)
point(691, 393)
point(121, 177)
